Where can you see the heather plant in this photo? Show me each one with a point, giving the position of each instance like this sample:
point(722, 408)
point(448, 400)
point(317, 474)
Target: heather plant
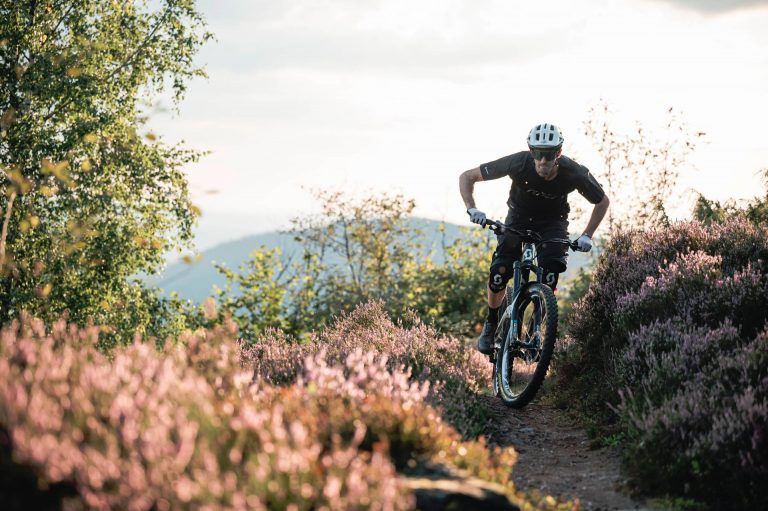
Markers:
point(698, 416)
point(192, 428)
point(187, 428)
point(458, 373)
point(671, 334)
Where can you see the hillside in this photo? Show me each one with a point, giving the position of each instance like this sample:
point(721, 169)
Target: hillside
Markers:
point(196, 281)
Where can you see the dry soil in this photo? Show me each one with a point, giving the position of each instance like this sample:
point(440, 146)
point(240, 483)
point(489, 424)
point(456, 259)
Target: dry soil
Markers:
point(555, 457)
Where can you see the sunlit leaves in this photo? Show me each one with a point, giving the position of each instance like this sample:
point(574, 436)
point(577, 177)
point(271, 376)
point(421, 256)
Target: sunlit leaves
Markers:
point(192, 259)
point(8, 118)
point(28, 223)
point(48, 191)
point(209, 308)
point(20, 184)
point(83, 193)
point(59, 169)
point(44, 290)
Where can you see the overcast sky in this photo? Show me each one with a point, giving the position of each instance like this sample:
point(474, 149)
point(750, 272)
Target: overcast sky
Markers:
point(403, 95)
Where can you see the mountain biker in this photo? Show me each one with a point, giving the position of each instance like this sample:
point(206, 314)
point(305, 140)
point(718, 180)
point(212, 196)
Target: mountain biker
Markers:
point(541, 178)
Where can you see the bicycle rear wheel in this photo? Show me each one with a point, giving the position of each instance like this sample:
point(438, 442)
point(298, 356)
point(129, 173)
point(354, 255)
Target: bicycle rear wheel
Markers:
point(523, 360)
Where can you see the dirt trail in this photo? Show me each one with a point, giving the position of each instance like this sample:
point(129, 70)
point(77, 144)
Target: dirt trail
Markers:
point(555, 457)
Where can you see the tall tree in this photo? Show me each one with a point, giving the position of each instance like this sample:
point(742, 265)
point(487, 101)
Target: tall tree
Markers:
point(87, 196)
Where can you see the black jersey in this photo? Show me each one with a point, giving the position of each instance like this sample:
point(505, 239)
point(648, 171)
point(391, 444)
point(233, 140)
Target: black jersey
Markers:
point(532, 195)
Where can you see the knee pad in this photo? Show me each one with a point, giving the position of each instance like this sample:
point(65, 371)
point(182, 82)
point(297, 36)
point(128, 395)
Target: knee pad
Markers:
point(500, 275)
point(550, 278)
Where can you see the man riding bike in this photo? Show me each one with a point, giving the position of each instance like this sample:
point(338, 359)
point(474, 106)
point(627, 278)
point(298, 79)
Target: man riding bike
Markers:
point(541, 178)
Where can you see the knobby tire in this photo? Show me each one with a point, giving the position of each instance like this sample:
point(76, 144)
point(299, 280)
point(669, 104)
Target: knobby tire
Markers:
point(523, 368)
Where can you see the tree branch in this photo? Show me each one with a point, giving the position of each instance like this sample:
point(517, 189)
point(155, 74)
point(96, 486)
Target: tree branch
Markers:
point(6, 222)
point(32, 6)
point(61, 20)
point(141, 45)
point(348, 253)
point(130, 59)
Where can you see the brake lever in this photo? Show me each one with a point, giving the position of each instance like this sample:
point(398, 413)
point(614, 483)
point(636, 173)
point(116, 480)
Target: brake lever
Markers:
point(494, 226)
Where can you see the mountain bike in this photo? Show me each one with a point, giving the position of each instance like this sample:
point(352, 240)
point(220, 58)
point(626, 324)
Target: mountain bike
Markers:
point(525, 336)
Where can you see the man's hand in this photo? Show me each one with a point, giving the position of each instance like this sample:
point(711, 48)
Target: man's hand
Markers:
point(585, 243)
point(476, 216)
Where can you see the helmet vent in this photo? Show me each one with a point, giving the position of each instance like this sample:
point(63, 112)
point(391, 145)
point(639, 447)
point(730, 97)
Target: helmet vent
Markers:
point(545, 135)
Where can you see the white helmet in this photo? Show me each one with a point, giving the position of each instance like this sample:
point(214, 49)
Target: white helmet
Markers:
point(545, 136)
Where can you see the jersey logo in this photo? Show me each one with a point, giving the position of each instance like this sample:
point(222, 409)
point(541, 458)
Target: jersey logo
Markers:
point(542, 194)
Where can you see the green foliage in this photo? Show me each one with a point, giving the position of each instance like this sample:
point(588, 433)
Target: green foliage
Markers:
point(355, 251)
point(87, 196)
point(257, 295)
point(451, 295)
point(712, 211)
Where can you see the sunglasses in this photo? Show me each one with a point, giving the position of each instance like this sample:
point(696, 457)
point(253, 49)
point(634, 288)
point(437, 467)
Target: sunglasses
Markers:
point(547, 154)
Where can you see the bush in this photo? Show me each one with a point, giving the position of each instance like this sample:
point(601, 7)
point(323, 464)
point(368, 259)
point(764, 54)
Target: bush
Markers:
point(671, 334)
point(191, 428)
point(698, 413)
point(459, 372)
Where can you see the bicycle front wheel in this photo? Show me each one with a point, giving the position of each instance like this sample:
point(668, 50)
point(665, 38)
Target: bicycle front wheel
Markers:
point(526, 351)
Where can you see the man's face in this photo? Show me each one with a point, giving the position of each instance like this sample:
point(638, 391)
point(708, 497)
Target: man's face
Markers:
point(545, 160)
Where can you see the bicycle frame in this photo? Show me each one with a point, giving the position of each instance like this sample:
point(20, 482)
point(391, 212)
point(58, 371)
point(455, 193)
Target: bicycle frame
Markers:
point(525, 263)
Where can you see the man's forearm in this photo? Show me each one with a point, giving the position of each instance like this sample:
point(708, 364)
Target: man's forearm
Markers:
point(467, 182)
point(467, 188)
point(598, 213)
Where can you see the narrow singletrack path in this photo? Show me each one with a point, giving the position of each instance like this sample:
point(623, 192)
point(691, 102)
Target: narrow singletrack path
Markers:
point(555, 458)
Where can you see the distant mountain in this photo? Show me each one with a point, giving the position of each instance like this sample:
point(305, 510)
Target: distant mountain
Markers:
point(196, 281)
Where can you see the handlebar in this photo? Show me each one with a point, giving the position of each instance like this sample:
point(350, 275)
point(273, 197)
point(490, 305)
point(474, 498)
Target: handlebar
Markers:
point(526, 235)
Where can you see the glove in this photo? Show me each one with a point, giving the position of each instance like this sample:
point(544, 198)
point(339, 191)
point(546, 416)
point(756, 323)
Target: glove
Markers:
point(585, 243)
point(476, 216)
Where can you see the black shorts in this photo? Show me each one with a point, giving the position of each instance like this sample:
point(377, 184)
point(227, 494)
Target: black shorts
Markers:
point(552, 257)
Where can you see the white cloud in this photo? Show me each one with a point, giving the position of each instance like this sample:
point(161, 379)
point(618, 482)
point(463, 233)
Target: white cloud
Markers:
point(397, 95)
point(717, 6)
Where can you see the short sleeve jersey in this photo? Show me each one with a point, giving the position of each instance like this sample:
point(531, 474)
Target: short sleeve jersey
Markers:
point(532, 195)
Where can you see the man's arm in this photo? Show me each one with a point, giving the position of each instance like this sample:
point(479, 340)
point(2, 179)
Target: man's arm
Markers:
point(467, 182)
point(598, 213)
